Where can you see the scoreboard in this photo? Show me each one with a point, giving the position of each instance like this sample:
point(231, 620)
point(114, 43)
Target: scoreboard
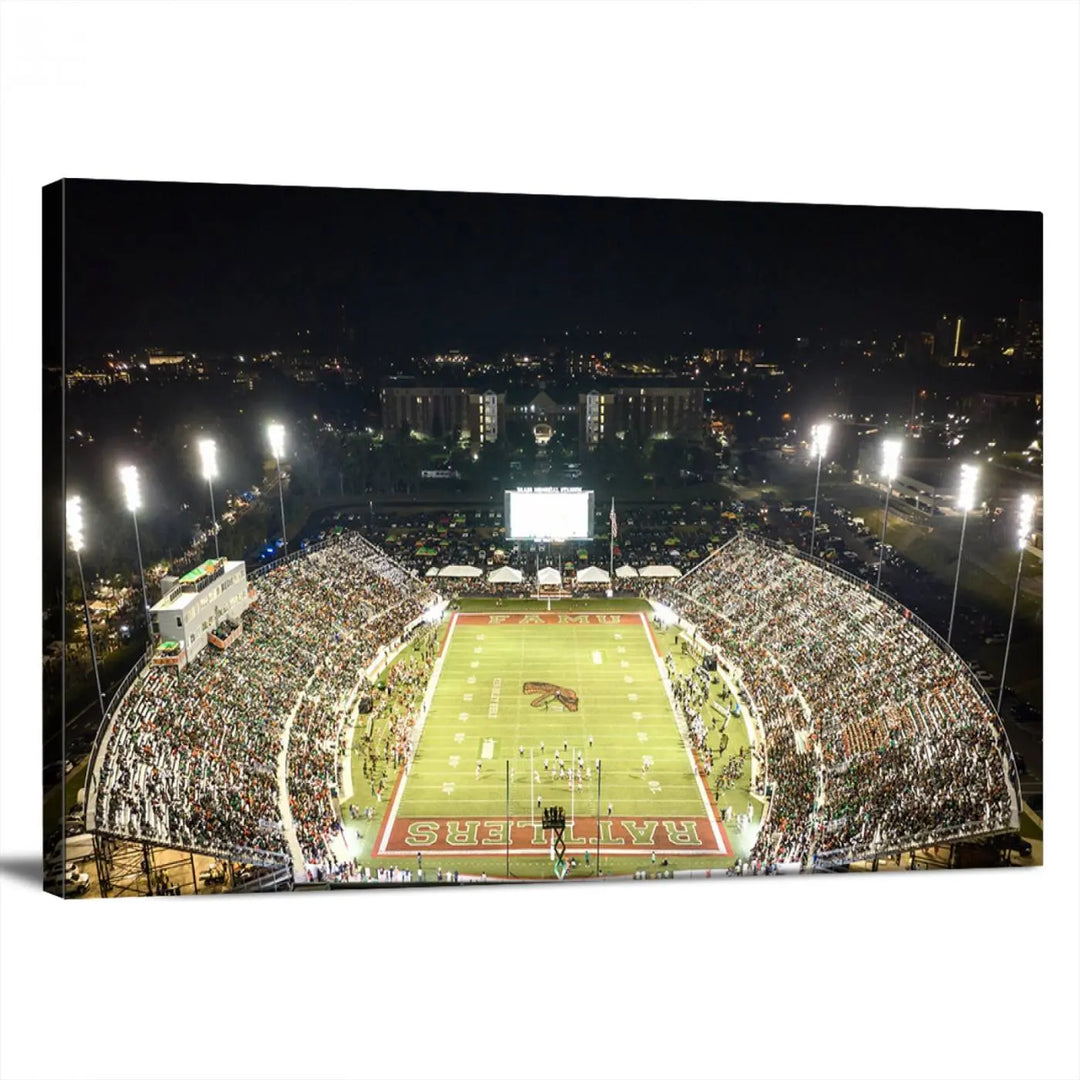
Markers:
point(548, 513)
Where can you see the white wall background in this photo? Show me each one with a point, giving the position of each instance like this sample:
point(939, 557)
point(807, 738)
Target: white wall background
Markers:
point(945, 104)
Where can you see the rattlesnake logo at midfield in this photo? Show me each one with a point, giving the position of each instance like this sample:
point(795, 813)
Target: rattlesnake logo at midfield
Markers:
point(546, 692)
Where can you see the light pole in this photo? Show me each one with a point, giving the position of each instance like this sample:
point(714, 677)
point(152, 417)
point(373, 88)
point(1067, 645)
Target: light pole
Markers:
point(1027, 513)
point(208, 453)
point(965, 500)
point(890, 465)
point(819, 445)
point(129, 477)
point(75, 539)
point(276, 434)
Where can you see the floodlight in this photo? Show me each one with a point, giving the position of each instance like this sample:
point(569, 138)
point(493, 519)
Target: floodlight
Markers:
point(276, 435)
point(75, 523)
point(1027, 514)
point(819, 434)
point(966, 499)
point(208, 453)
point(129, 477)
point(75, 539)
point(890, 458)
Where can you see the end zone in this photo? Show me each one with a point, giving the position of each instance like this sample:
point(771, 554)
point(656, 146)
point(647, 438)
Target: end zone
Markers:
point(491, 836)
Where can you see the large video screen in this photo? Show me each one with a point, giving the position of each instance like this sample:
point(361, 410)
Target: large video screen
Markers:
point(548, 514)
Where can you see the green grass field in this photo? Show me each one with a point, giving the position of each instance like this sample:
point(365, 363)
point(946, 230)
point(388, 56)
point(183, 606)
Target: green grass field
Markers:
point(480, 714)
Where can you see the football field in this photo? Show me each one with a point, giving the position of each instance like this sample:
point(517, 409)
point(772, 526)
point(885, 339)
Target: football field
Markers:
point(516, 698)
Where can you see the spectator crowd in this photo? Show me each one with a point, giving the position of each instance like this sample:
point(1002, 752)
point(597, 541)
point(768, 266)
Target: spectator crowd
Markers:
point(205, 758)
point(877, 737)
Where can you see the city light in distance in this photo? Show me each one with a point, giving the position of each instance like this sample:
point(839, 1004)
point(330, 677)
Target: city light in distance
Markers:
point(75, 523)
point(968, 475)
point(1027, 516)
point(208, 453)
point(129, 477)
point(276, 435)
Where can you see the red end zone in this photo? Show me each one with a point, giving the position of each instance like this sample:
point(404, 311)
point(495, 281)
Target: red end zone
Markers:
point(618, 836)
point(547, 618)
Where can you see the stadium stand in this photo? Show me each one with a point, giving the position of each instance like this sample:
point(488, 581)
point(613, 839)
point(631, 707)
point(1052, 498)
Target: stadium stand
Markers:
point(878, 737)
point(199, 763)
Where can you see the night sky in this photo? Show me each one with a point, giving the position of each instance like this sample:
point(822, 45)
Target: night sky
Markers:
point(233, 268)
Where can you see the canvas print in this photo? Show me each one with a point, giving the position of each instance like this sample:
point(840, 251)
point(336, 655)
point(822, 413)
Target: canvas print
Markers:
point(438, 539)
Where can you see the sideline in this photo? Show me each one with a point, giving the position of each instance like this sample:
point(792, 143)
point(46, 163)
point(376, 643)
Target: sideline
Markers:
point(379, 847)
point(722, 844)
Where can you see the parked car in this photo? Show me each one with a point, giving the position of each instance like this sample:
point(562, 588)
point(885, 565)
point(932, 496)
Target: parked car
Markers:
point(75, 882)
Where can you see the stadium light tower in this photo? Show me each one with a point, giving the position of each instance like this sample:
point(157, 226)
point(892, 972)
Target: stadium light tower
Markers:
point(965, 501)
point(819, 447)
point(129, 477)
point(75, 540)
point(208, 453)
point(1023, 531)
point(890, 466)
point(276, 434)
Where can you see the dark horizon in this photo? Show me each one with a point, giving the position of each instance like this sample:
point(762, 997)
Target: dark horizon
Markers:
point(370, 272)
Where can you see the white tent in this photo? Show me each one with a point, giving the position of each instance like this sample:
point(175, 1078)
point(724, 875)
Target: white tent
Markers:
point(593, 575)
point(659, 571)
point(432, 571)
point(505, 575)
point(549, 576)
point(626, 571)
point(460, 571)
